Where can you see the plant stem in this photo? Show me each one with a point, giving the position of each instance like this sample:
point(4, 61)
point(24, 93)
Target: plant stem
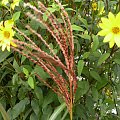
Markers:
point(71, 100)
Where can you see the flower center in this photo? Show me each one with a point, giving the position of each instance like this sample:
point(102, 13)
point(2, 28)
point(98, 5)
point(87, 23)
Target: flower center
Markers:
point(6, 34)
point(115, 30)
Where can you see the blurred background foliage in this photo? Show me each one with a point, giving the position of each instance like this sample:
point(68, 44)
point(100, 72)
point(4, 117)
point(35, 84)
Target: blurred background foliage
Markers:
point(24, 97)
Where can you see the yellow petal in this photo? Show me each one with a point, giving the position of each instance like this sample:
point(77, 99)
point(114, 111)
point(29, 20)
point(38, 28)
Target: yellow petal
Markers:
point(13, 44)
point(108, 37)
point(8, 48)
point(103, 32)
point(1, 24)
point(118, 18)
point(9, 23)
point(117, 40)
point(101, 25)
point(111, 17)
point(3, 47)
point(105, 20)
point(111, 43)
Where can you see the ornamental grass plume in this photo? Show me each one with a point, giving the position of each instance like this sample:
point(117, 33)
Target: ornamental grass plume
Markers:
point(111, 29)
point(62, 34)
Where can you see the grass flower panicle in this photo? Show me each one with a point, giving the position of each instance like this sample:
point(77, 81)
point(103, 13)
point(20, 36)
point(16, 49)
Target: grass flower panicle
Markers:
point(63, 36)
point(111, 29)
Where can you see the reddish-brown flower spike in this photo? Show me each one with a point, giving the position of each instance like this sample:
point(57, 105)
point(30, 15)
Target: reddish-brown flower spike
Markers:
point(62, 34)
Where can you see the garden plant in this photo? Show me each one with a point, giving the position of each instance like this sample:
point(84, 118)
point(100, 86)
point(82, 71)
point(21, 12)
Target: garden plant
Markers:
point(60, 59)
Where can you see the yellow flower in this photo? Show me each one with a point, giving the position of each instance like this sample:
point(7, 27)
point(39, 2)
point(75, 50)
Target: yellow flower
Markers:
point(6, 35)
point(111, 29)
point(94, 6)
point(7, 24)
point(15, 3)
point(4, 2)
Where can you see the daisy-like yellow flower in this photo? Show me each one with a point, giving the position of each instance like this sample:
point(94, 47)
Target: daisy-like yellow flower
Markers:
point(111, 29)
point(15, 3)
point(6, 35)
point(94, 6)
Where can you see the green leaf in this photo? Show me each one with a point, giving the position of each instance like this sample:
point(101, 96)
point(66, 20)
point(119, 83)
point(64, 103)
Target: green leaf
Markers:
point(39, 94)
point(83, 87)
point(94, 94)
point(102, 83)
point(84, 36)
point(26, 72)
point(16, 16)
point(80, 67)
point(15, 79)
point(16, 66)
point(57, 111)
point(33, 117)
point(90, 105)
point(95, 42)
point(51, 45)
point(46, 112)
point(45, 17)
point(23, 58)
point(86, 55)
point(35, 106)
point(49, 99)
point(65, 114)
point(34, 25)
point(84, 21)
point(40, 72)
point(77, 28)
point(19, 108)
point(4, 55)
point(69, 9)
point(103, 58)
point(31, 82)
point(95, 75)
point(117, 61)
point(52, 9)
point(4, 113)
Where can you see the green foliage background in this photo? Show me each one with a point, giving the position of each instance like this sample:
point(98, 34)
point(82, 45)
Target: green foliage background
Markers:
point(24, 97)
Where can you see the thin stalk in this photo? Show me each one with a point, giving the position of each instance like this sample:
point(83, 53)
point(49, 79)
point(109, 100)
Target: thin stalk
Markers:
point(71, 98)
point(71, 106)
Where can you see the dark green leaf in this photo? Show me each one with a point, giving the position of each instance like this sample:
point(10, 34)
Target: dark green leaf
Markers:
point(80, 67)
point(77, 28)
point(95, 75)
point(102, 58)
point(95, 42)
point(19, 107)
point(4, 55)
point(35, 106)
